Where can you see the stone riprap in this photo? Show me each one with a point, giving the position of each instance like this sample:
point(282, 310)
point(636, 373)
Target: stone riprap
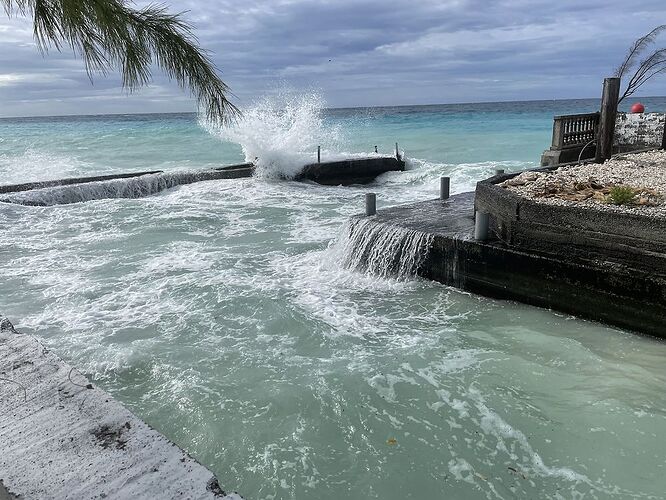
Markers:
point(63, 437)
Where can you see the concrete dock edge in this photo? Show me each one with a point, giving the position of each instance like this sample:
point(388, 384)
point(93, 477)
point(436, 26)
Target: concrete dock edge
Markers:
point(62, 437)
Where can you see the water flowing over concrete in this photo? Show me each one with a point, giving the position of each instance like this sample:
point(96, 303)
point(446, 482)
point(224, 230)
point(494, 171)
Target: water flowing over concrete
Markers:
point(64, 192)
point(383, 250)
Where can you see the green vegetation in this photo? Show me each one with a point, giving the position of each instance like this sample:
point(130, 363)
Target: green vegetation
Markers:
point(622, 195)
point(108, 34)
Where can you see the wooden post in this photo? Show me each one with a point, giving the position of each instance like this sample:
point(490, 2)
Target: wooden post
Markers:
point(318, 154)
point(397, 152)
point(609, 101)
point(663, 138)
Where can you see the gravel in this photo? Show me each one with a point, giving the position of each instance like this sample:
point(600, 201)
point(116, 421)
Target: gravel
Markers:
point(590, 185)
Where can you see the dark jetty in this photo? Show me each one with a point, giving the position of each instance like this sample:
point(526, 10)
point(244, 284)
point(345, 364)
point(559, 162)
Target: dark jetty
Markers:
point(348, 172)
point(146, 183)
point(606, 267)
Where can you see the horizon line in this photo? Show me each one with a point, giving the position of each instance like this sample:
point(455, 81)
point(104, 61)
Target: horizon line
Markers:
point(75, 115)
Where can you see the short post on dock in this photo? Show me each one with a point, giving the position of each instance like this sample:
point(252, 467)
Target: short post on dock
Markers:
point(481, 225)
point(318, 154)
point(444, 188)
point(370, 204)
point(397, 152)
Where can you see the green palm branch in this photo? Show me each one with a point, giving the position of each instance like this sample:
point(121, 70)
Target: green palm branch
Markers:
point(108, 34)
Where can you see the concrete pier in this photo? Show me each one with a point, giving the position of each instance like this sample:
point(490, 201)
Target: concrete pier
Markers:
point(616, 292)
point(63, 437)
point(353, 171)
point(146, 183)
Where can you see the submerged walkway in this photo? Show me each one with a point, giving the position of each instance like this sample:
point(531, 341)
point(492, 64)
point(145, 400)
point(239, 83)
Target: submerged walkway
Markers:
point(62, 437)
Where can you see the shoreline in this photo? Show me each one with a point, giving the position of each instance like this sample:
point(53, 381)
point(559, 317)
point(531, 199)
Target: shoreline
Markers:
point(64, 437)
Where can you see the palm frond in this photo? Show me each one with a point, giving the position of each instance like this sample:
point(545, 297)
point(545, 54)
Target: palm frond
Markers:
point(107, 34)
point(637, 49)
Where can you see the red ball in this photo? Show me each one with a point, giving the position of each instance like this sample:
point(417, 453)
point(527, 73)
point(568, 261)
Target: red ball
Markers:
point(637, 108)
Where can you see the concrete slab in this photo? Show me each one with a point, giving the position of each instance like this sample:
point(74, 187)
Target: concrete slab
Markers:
point(602, 289)
point(62, 437)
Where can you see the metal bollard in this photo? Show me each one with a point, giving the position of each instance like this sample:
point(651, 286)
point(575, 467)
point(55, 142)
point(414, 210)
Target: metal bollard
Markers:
point(318, 154)
point(444, 188)
point(499, 171)
point(481, 225)
point(370, 204)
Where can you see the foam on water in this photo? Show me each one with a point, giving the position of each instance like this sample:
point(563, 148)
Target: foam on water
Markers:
point(221, 313)
point(33, 165)
point(281, 133)
point(133, 187)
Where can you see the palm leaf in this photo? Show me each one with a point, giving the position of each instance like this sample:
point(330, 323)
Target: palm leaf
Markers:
point(637, 49)
point(108, 34)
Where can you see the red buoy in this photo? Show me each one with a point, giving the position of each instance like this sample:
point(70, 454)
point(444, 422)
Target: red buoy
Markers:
point(637, 107)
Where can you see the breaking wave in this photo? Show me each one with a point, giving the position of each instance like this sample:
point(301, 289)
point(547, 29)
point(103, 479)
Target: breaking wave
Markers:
point(280, 133)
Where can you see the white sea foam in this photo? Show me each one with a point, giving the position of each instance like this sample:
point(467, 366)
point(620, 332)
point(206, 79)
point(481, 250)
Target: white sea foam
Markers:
point(38, 165)
point(281, 133)
point(382, 249)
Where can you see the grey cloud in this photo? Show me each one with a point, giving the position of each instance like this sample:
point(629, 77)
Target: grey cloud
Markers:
point(358, 53)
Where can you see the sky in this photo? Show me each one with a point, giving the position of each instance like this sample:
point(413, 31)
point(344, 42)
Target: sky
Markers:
point(356, 53)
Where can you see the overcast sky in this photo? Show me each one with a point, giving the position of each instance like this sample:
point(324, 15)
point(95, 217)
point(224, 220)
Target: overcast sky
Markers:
point(357, 53)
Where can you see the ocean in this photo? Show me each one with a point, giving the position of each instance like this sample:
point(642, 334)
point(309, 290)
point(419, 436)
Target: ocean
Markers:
point(221, 312)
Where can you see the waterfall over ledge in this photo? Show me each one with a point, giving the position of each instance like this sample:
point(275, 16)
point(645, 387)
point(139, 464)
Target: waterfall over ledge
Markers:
point(381, 249)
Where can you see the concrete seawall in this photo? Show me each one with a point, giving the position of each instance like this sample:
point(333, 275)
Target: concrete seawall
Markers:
point(633, 298)
point(141, 184)
point(63, 437)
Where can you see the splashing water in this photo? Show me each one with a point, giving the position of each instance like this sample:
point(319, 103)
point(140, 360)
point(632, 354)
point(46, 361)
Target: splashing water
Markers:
point(381, 249)
point(134, 187)
point(219, 313)
point(281, 133)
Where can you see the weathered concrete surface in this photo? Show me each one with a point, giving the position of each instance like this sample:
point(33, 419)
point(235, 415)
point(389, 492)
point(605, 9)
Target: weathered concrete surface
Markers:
point(141, 184)
point(353, 171)
point(138, 185)
point(638, 130)
point(62, 437)
point(624, 239)
point(632, 298)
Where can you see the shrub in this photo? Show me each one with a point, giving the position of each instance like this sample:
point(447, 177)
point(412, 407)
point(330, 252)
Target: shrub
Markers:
point(622, 195)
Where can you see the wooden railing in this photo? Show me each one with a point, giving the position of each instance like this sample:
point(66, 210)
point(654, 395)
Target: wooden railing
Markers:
point(570, 131)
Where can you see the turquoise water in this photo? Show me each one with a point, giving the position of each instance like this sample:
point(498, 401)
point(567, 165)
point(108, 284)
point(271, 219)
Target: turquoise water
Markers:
point(220, 313)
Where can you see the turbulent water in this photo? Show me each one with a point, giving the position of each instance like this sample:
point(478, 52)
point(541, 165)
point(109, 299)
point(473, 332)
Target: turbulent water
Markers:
point(234, 316)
